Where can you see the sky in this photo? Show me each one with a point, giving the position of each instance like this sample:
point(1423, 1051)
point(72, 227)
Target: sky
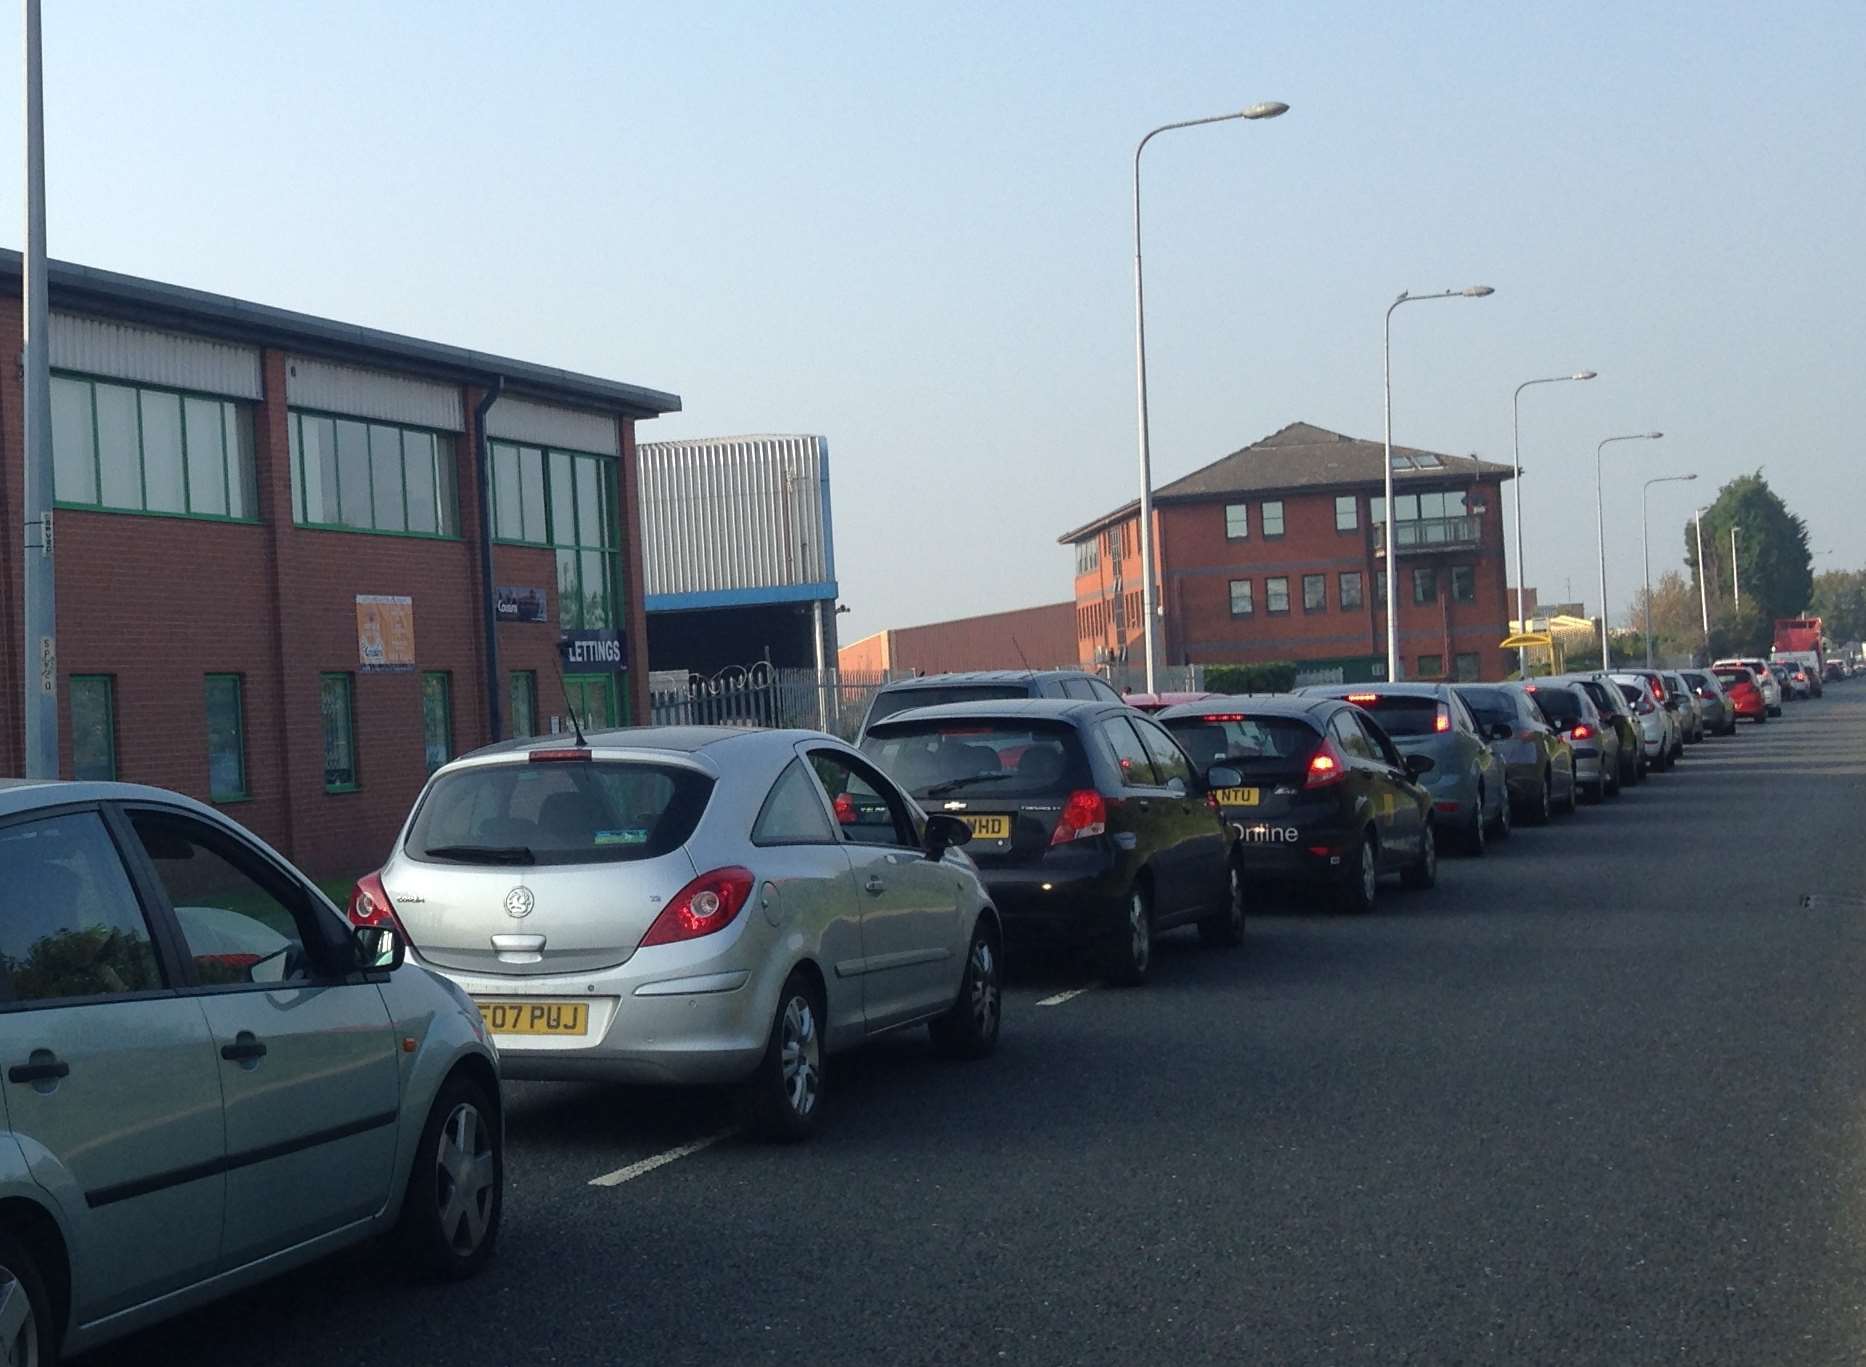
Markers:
point(907, 227)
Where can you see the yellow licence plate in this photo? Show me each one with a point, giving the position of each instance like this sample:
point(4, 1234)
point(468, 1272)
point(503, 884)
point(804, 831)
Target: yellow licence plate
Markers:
point(1238, 797)
point(536, 1018)
point(989, 827)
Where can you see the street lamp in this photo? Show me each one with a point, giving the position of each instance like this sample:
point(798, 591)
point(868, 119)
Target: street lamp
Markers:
point(1269, 109)
point(1516, 500)
point(1703, 587)
point(1600, 531)
point(1386, 368)
point(1645, 551)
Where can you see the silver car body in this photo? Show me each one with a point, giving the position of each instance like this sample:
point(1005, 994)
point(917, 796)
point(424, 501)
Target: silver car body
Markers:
point(1719, 715)
point(1659, 728)
point(162, 1174)
point(1689, 707)
point(883, 929)
point(1596, 754)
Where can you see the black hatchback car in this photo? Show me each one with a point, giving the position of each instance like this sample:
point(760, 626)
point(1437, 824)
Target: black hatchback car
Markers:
point(986, 685)
point(1326, 797)
point(1090, 826)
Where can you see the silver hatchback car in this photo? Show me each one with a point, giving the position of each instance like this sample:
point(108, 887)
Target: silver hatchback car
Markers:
point(693, 905)
point(210, 1078)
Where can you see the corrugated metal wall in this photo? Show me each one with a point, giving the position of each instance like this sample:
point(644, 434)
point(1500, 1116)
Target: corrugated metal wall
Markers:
point(361, 393)
point(567, 429)
point(728, 513)
point(97, 346)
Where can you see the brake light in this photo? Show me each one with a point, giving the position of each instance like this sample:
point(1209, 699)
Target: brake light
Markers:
point(1658, 691)
point(844, 806)
point(1363, 697)
point(1084, 814)
point(370, 904)
point(1223, 716)
point(708, 904)
point(1442, 722)
point(1582, 731)
point(1325, 766)
point(558, 756)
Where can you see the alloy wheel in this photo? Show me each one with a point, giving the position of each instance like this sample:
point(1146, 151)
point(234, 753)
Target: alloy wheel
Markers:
point(1140, 933)
point(801, 1053)
point(1370, 874)
point(469, 1178)
point(985, 993)
point(19, 1332)
point(1429, 861)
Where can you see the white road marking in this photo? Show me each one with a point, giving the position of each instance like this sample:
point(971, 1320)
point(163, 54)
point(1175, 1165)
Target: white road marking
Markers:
point(648, 1165)
point(1062, 997)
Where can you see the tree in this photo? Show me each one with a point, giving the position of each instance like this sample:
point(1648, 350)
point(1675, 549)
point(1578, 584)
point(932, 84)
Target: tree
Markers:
point(1677, 620)
point(1839, 600)
point(1773, 565)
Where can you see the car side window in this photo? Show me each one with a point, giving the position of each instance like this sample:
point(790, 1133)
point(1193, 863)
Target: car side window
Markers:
point(1462, 714)
point(793, 812)
point(241, 921)
point(1080, 688)
point(868, 812)
point(1349, 736)
point(71, 927)
point(1129, 753)
point(1384, 751)
point(1103, 691)
point(1169, 761)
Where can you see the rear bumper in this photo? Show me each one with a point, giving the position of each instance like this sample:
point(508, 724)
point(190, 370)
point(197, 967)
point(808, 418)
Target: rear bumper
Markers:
point(1066, 904)
point(1287, 853)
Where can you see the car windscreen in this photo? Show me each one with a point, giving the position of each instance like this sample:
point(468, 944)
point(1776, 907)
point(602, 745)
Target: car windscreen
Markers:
point(1491, 705)
point(565, 812)
point(1400, 714)
point(887, 703)
point(1250, 744)
point(982, 758)
point(1558, 704)
point(1695, 680)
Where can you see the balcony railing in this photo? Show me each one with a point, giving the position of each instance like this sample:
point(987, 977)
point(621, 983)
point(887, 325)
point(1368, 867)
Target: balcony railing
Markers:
point(1433, 534)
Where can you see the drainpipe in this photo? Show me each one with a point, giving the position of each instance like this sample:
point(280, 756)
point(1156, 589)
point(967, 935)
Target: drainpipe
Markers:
point(495, 727)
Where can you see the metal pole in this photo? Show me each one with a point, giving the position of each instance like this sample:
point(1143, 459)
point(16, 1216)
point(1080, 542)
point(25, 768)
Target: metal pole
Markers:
point(40, 582)
point(1703, 592)
point(1645, 556)
point(1736, 588)
point(1516, 499)
point(1600, 536)
point(1386, 529)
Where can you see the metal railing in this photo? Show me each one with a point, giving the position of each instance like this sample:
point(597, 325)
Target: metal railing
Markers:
point(1433, 533)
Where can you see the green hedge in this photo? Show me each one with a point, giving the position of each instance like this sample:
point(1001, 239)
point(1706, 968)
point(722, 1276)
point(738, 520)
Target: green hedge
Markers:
point(1273, 676)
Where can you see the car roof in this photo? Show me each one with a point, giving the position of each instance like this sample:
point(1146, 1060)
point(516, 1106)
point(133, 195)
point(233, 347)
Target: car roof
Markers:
point(30, 794)
point(987, 676)
point(1259, 704)
point(1415, 688)
point(676, 739)
point(1034, 709)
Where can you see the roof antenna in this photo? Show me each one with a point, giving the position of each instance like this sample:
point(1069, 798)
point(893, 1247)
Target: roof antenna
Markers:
point(576, 726)
point(1020, 655)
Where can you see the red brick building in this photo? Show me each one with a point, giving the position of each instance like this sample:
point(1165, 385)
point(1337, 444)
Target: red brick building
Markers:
point(1278, 552)
point(269, 546)
point(1042, 637)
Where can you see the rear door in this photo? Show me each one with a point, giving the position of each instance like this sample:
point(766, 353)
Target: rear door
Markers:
point(1409, 803)
point(1198, 839)
point(1145, 810)
point(1371, 774)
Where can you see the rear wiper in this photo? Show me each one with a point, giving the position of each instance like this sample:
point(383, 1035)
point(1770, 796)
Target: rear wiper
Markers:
point(483, 854)
point(954, 784)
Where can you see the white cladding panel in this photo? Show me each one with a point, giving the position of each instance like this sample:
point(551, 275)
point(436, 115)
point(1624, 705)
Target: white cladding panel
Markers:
point(727, 513)
point(360, 393)
point(568, 429)
point(98, 346)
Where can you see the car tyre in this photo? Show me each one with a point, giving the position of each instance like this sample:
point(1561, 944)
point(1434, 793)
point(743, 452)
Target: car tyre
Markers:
point(1129, 954)
point(456, 1189)
point(1505, 821)
point(1573, 802)
point(784, 1096)
point(29, 1320)
point(1422, 873)
point(1360, 875)
point(1226, 930)
point(1545, 807)
point(970, 1028)
point(1476, 839)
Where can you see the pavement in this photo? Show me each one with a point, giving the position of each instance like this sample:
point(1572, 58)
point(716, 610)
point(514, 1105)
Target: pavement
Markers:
point(1600, 1097)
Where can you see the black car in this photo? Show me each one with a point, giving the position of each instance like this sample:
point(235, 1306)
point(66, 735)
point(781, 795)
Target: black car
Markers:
point(986, 685)
point(1326, 796)
point(1090, 826)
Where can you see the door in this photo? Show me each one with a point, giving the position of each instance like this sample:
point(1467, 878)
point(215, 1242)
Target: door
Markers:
point(110, 1080)
point(593, 698)
point(911, 958)
point(1142, 814)
point(1198, 838)
point(308, 1066)
point(1405, 801)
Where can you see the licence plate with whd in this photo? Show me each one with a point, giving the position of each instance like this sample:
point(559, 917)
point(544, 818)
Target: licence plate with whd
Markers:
point(536, 1018)
point(989, 827)
point(1238, 797)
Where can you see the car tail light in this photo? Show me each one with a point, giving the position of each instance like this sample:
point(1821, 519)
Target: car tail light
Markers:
point(1448, 808)
point(1325, 766)
point(1084, 814)
point(844, 806)
point(370, 904)
point(558, 756)
point(1658, 691)
point(709, 903)
point(1442, 722)
point(1582, 731)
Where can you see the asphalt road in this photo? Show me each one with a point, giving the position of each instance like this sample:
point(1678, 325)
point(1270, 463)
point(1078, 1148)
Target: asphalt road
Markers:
point(1600, 1097)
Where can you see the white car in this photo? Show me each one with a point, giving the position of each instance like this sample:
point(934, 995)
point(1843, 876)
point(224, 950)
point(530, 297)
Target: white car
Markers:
point(1766, 676)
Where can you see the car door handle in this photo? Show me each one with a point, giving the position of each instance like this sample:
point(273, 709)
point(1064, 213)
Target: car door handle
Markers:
point(45, 1071)
point(875, 886)
point(243, 1050)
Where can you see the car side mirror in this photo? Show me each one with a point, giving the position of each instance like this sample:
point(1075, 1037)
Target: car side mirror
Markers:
point(378, 948)
point(1501, 730)
point(1221, 776)
point(944, 833)
point(1420, 764)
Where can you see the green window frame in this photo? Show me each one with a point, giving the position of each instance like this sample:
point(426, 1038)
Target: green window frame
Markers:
point(437, 718)
point(353, 474)
point(565, 501)
point(108, 434)
point(337, 705)
point(225, 699)
point(524, 695)
point(93, 699)
point(1431, 666)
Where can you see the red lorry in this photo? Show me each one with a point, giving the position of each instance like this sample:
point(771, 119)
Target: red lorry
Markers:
point(1798, 640)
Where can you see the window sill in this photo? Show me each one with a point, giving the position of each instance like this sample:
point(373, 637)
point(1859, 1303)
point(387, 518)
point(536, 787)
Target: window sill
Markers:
point(231, 800)
point(62, 507)
point(337, 790)
point(373, 531)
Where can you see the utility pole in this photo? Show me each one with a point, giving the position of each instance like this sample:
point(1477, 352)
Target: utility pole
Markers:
point(1736, 589)
point(41, 658)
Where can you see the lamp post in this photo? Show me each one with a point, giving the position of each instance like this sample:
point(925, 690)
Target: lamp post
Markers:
point(39, 667)
point(1697, 517)
point(1736, 589)
point(1386, 371)
point(1600, 531)
point(1645, 549)
point(1516, 499)
point(1268, 110)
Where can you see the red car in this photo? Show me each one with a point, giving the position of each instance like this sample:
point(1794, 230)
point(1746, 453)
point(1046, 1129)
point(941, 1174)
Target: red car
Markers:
point(1744, 692)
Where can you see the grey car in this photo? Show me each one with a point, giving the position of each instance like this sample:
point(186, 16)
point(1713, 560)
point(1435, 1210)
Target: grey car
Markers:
point(1615, 710)
point(1538, 761)
point(986, 685)
point(1719, 715)
point(1683, 699)
point(1571, 711)
point(210, 1077)
point(1467, 783)
point(693, 905)
point(1666, 714)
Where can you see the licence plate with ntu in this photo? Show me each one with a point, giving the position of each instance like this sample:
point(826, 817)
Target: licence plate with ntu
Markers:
point(535, 1018)
point(1237, 797)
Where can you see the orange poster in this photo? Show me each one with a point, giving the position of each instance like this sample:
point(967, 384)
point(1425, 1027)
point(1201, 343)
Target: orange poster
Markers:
point(385, 633)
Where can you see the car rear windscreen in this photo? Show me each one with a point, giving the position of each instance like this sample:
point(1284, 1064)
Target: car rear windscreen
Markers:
point(981, 758)
point(1491, 705)
point(1596, 690)
point(1252, 745)
point(899, 700)
point(1400, 714)
point(1559, 704)
point(566, 812)
point(1734, 676)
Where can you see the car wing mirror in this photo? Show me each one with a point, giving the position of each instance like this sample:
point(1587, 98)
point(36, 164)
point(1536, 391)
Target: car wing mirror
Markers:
point(1501, 730)
point(1419, 764)
point(944, 833)
point(378, 948)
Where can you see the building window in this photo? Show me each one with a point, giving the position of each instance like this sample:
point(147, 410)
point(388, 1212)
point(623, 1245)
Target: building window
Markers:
point(1314, 592)
point(1237, 521)
point(1347, 512)
point(437, 719)
point(372, 476)
point(93, 726)
point(144, 450)
point(337, 702)
point(1240, 598)
point(1464, 583)
point(1088, 556)
point(1425, 586)
point(1431, 666)
point(1350, 589)
point(1276, 595)
point(1272, 517)
point(565, 500)
point(1464, 664)
point(226, 738)
point(1380, 589)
